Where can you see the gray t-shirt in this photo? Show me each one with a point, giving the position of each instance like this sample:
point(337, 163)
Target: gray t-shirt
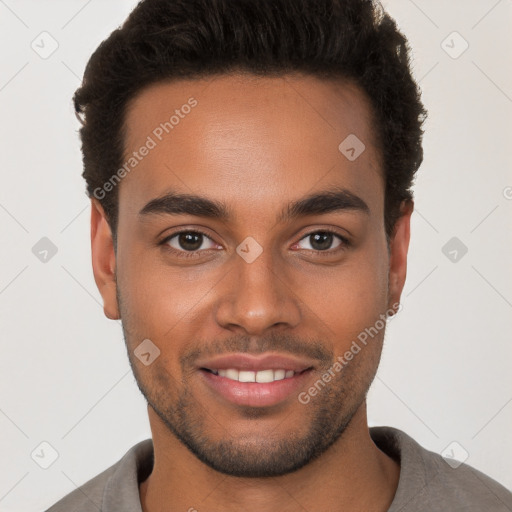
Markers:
point(427, 482)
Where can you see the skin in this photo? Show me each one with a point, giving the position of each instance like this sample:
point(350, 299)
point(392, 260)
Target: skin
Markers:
point(245, 134)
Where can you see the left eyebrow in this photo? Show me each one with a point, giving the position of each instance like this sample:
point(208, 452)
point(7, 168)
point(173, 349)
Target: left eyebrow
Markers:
point(322, 203)
point(318, 203)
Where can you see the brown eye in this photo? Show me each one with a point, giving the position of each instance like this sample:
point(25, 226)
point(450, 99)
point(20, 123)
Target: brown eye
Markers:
point(189, 241)
point(322, 241)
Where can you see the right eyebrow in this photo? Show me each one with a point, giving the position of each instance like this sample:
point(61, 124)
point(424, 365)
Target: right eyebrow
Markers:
point(186, 204)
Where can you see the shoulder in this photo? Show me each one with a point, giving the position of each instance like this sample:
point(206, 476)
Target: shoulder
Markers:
point(429, 481)
point(87, 496)
point(99, 491)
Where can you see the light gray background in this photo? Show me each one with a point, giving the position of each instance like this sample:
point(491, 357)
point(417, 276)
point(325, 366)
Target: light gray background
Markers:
point(64, 375)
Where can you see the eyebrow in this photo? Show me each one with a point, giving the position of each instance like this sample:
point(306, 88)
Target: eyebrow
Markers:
point(318, 203)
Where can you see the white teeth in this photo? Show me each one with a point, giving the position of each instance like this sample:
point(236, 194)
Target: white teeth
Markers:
point(279, 374)
point(246, 376)
point(265, 376)
point(232, 374)
point(262, 376)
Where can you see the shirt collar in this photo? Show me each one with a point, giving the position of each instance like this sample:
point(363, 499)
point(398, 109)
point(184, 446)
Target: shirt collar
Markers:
point(122, 488)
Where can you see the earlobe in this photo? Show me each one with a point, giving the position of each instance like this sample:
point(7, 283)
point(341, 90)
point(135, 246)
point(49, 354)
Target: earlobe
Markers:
point(104, 260)
point(399, 246)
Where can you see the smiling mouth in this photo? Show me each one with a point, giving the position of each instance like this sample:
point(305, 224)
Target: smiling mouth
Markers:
point(260, 376)
point(255, 388)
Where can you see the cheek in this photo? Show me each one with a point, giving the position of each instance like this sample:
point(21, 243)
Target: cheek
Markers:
point(354, 296)
point(160, 302)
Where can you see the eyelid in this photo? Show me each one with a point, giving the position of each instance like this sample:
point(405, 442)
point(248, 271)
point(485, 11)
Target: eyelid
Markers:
point(332, 230)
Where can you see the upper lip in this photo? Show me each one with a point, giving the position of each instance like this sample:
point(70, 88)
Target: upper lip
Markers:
point(248, 362)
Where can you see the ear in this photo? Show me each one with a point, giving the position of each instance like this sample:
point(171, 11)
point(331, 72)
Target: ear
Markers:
point(103, 259)
point(398, 248)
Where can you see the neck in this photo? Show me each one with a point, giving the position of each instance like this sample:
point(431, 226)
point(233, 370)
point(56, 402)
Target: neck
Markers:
point(352, 475)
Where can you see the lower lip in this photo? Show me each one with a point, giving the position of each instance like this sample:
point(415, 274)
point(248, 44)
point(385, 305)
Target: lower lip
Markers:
point(255, 394)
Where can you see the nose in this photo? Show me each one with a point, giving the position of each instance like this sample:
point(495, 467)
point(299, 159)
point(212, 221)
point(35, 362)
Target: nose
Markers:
point(257, 296)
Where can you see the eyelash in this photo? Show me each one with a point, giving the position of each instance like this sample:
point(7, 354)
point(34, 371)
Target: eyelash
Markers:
point(345, 243)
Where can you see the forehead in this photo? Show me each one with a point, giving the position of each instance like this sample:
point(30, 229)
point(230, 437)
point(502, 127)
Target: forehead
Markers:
point(249, 141)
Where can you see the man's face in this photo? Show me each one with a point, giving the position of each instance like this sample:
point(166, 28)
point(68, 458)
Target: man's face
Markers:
point(257, 282)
